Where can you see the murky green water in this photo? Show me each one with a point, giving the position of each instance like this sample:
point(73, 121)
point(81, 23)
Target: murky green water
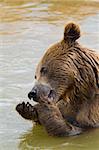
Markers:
point(27, 28)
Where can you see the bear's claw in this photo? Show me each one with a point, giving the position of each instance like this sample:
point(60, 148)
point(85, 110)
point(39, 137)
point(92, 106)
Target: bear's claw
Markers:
point(27, 111)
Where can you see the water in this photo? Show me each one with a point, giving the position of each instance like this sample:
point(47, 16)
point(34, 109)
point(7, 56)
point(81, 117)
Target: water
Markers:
point(27, 28)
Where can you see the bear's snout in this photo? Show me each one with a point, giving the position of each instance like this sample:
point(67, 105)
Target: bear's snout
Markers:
point(39, 90)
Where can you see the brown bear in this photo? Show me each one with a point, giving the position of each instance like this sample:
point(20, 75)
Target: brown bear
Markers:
point(49, 115)
point(69, 73)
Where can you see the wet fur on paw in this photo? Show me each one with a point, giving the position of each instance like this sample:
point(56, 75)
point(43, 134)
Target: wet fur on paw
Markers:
point(51, 118)
point(27, 111)
point(48, 114)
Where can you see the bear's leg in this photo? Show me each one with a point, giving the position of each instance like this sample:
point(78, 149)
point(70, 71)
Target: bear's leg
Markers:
point(49, 115)
point(27, 111)
point(88, 116)
point(51, 118)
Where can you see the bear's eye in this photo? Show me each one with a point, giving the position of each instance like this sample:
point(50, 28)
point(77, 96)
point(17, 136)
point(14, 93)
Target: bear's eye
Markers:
point(43, 70)
point(35, 77)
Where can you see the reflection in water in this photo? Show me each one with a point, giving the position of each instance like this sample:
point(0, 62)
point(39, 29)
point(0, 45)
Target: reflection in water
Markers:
point(38, 139)
point(17, 16)
point(27, 27)
point(51, 11)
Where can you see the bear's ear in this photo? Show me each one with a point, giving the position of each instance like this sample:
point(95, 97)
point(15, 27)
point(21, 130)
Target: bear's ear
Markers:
point(71, 32)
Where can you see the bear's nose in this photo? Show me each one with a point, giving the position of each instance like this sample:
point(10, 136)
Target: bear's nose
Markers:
point(33, 94)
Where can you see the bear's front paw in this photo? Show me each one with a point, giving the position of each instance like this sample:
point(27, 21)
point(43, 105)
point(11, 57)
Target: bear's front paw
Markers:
point(27, 111)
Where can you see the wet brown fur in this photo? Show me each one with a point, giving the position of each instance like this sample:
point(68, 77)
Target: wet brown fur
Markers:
point(48, 115)
point(74, 74)
point(73, 71)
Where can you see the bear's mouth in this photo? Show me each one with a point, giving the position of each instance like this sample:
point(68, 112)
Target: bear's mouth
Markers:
point(51, 95)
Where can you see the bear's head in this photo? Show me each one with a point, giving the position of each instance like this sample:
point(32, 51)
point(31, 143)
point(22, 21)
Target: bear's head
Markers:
point(54, 74)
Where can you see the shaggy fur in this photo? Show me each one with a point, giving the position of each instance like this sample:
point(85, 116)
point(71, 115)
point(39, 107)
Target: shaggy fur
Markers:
point(73, 72)
point(49, 116)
